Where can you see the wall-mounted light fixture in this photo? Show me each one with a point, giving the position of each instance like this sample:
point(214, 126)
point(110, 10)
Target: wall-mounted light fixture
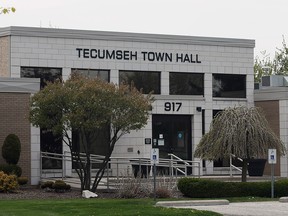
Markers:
point(199, 109)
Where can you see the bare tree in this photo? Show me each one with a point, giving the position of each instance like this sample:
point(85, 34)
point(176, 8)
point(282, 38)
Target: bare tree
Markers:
point(241, 131)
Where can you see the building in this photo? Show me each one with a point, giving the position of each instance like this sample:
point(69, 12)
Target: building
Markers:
point(272, 97)
point(192, 79)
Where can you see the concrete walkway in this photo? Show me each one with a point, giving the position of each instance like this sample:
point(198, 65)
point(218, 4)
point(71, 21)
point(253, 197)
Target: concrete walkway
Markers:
point(274, 208)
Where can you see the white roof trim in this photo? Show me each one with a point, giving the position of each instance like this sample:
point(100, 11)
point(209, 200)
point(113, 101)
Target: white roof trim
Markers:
point(121, 36)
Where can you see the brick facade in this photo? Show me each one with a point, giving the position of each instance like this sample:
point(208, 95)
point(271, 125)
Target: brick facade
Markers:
point(271, 110)
point(14, 110)
point(4, 56)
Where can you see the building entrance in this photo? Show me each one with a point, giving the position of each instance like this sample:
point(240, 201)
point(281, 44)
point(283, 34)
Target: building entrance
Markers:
point(172, 134)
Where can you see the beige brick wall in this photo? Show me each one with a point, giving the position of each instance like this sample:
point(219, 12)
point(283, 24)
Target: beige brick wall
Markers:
point(5, 56)
point(271, 110)
point(14, 110)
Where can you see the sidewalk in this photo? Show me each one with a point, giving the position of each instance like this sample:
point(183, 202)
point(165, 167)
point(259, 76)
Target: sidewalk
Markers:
point(269, 208)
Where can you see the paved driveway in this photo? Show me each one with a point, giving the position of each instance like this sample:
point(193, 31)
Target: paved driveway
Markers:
point(247, 209)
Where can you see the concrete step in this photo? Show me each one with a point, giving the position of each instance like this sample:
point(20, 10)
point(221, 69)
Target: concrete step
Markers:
point(192, 203)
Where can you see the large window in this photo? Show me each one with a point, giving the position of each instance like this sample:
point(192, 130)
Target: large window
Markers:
point(186, 83)
point(99, 139)
point(45, 74)
point(99, 73)
point(229, 86)
point(146, 81)
point(98, 143)
point(48, 142)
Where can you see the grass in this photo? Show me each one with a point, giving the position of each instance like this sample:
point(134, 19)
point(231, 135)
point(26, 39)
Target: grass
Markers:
point(107, 207)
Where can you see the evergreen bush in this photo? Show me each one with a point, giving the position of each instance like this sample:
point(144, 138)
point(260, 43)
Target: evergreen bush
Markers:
point(205, 188)
point(47, 184)
point(11, 169)
point(58, 186)
point(11, 149)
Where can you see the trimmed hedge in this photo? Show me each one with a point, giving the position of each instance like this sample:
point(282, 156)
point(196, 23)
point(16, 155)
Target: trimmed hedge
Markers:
point(11, 149)
point(205, 188)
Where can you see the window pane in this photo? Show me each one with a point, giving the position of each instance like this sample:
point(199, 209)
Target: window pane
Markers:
point(145, 80)
point(48, 142)
point(45, 74)
point(186, 83)
point(98, 141)
point(93, 73)
point(229, 86)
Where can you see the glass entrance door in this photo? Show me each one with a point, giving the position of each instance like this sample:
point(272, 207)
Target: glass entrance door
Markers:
point(172, 134)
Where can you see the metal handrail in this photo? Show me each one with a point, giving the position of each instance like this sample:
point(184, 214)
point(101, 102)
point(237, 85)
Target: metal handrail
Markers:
point(232, 166)
point(174, 156)
point(174, 164)
point(187, 163)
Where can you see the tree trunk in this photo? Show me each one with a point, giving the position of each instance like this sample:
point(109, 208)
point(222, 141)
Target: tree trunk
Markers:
point(85, 163)
point(87, 176)
point(244, 170)
point(101, 170)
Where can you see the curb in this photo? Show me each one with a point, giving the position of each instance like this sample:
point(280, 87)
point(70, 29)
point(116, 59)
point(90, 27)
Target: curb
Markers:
point(192, 203)
point(283, 199)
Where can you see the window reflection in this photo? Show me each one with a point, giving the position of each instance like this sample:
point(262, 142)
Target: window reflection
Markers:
point(45, 74)
point(229, 86)
point(186, 83)
point(94, 73)
point(147, 81)
point(48, 142)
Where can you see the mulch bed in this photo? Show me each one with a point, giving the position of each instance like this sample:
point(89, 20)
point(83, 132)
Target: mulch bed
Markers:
point(30, 192)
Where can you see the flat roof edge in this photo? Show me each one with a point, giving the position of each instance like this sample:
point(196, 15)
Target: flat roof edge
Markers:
point(19, 85)
point(270, 94)
point(124, 36)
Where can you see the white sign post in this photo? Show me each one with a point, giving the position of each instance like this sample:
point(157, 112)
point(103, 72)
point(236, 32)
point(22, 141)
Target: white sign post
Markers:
point(154, 155)
point(272, 160)
point(154, 160)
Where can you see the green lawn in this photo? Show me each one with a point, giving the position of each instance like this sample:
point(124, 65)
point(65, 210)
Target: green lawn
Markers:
point(107, 207)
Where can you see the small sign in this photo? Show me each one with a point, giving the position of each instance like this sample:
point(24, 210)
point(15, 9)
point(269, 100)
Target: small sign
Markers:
point(147, 140)
point(272, 156)
point(154, 155)
point(161, 142)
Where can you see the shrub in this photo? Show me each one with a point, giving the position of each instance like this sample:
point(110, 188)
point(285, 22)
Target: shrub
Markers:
point(11, 169)
point(8, 183)
point(22, 180)
point(204, 188)
point(60, 186)
point(162, 192)
point(133, 188)
point(48, 184)
point(11, 149)
point(57, 186)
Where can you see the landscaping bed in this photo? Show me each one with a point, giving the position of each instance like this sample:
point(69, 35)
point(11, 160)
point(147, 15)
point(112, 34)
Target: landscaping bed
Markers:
point(34, 192)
